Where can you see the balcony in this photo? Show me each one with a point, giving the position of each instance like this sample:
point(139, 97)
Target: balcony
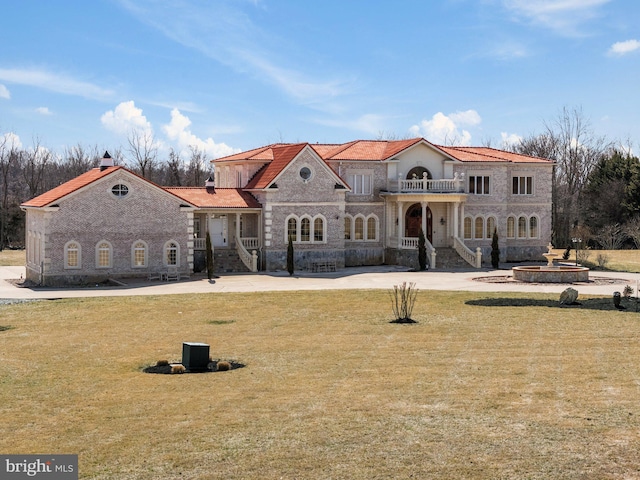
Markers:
point(425, 185)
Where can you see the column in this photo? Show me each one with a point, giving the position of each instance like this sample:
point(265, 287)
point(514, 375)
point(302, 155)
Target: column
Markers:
point(456, 219)
point(424, 217)
point(400, 224)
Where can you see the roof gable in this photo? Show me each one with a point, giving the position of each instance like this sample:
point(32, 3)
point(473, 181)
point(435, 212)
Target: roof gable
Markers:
point(81, 182)
point(487, 154)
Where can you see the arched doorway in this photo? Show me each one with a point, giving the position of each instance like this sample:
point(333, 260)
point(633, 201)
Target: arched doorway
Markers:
point(413, 222)
point(416, 173)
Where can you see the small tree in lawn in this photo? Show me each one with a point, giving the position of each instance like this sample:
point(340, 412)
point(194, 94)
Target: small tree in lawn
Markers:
point(209, 248)
point(403, 299)
point(290, 256)
point(422, 251)
point(495, 250)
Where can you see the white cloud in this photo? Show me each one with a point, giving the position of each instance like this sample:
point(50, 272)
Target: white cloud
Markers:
point(563, 16)
point(622, 48)
point(125, 118)
point(446, 129)
point(509, 139)
point(44, 111)
point(11, 140)
point(4, 92)
point(54, 82)
point(178, 131)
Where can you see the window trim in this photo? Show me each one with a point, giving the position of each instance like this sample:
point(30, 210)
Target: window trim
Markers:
point(78, 255)
point(145, 253)
point(485, 184)
point(516, 185)
point(117, 191)
point(167, 248)
point(298, 221)
point(109, 250)
point(354, 221)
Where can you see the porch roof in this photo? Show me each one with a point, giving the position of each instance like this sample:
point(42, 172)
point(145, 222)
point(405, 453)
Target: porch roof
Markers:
point(202, 197)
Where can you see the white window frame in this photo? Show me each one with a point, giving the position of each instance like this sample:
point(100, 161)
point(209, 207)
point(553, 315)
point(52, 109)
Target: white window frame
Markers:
point(167, 249)
point(78, 250)
point(361, 182)
point(479, 181)
point(134, 249)
point(100, 250)
point(521, 182)
point(297, 238)
point(512, 226)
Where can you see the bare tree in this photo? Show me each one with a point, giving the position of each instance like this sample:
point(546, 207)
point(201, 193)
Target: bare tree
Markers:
point(176, 168)
point(611, 237)
point(8, 157)
point(571, 143)
point(143, 152)
point(197, 168)
point(632, 230)
point(34, 165)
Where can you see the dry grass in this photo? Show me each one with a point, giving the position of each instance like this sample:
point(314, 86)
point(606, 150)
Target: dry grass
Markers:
point(12, 258)
point(618, 260)
point(485, 386)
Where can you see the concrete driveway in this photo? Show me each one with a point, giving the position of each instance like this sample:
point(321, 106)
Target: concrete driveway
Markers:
point(381, 277)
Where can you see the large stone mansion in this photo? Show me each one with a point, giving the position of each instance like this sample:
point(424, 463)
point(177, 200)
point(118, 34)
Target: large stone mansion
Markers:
point(358, 203)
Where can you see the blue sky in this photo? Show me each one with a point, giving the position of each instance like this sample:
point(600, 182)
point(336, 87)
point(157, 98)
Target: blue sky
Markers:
point(229, 75)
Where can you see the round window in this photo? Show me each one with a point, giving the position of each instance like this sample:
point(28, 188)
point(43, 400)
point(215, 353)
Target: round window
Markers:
point(305, 173)
point(120, 190)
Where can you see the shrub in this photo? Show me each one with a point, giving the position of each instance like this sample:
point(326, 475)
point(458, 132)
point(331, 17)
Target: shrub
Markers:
point(567, 253)
point(290, 265)
point(178, 368)
point(627, 292)
point(603, 260)
point(224, 366)
point(209, 248)
point(495, 250)
point(403, 299)
point(422, 251)
point(162, 363)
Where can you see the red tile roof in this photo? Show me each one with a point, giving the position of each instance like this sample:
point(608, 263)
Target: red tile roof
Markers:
point(202, 197)
point(55, 194)
point(282, 156)
point(486, 154)
point(381, 150)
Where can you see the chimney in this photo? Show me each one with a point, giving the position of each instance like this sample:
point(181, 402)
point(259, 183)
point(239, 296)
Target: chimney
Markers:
point(106, 161)
point(210, 184)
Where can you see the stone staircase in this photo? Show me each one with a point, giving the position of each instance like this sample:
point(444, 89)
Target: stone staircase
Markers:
point(227, 260)
point(448, 259)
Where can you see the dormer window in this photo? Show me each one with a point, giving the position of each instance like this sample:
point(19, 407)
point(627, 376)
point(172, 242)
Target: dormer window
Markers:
point(120, 190)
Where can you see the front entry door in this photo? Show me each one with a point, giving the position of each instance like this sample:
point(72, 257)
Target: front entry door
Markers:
point(413, 222)
point(218, 231)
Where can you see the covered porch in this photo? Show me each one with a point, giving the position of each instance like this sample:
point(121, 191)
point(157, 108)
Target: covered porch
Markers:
point(439, 215)
point(228, 230)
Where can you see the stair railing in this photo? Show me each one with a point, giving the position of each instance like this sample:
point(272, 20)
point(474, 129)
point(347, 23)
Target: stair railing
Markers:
point(473, 259)
point(250, 260)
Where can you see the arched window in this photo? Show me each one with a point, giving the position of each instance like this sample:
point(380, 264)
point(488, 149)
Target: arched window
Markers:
point(292, 230)
point(468, 232)
point(511, 227)
point(359, 228)
point(479, 227)
point(372, 228)
point(305, 230)
point(103, 254)
point(522, 227)
point(318, 230)
point(171, 253)
point(347, 228)
point(491, 225)
point(533, 227)
point(72, 255)
point(139, 254)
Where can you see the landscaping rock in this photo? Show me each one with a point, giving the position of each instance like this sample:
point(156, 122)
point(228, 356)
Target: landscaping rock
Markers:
point(569, 296)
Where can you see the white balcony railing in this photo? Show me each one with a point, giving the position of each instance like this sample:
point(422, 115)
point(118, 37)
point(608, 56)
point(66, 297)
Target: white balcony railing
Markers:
point(473, 259)
point(425, 185)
